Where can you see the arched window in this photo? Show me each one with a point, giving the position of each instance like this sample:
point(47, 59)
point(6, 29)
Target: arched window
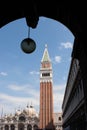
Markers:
point(59, 118)
point(29, 127)
point(20, 126)
point(35, 127)
point(12, 127)
point(6, 127)
point(22, 118)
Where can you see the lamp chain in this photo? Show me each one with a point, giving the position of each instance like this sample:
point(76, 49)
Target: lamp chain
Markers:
point(28, 32)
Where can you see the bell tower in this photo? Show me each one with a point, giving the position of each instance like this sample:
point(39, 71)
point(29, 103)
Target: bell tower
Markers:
point(46, 92)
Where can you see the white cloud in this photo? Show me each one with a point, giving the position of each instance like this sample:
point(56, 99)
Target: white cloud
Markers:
point(3, 74)
point(58, 87)
point(9, 103)
point(67, 45)
point(57, 101)
point(15, 101)
point(58, 94)
point(15, 87)
point(34, 72)
point(28, 89)
point(58, 59)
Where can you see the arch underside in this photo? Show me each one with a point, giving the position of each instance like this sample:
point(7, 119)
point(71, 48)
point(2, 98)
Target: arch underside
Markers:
point(70, 16)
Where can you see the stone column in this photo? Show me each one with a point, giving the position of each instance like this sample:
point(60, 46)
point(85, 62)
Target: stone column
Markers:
point(9, 127)
point(25, 127)
point(16, 127)
point(32, 127)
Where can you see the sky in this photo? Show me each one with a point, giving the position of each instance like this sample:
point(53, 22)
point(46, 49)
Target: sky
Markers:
point(19, 72)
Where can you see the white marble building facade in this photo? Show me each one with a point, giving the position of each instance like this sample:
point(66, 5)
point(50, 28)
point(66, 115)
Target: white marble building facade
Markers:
point(26, 119)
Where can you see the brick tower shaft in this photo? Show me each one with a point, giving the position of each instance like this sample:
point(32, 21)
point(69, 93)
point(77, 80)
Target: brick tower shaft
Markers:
point(46, 92)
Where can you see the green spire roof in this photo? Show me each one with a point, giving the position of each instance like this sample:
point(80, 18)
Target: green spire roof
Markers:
point(45, 57)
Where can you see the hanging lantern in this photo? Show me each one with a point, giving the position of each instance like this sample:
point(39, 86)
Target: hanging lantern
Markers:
point(28, 45)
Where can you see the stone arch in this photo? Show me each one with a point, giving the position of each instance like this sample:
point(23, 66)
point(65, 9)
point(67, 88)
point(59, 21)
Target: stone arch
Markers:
point(12, 127)
point(6, 127)
point(35, 127)
point(71, 15)
point(68, 14)
point(22, 118)
point(20, 126)
point(29, 127)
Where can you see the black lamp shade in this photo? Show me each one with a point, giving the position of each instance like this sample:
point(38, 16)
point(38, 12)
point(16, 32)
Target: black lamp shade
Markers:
point(28, 45)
